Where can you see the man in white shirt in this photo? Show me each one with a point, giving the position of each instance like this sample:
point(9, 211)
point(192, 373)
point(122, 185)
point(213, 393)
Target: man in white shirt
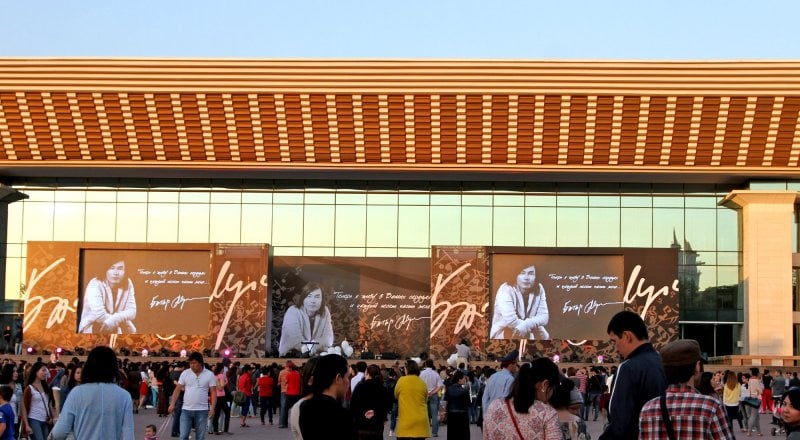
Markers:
point(196, 383)
point(435, 384)
point(361, 368)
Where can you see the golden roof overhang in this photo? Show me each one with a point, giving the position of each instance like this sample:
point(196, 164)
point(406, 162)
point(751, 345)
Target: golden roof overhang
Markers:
point(715, 121)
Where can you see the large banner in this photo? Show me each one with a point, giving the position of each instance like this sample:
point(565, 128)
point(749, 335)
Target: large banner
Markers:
point(160, 297)
point(579, 289)
point(377, 305)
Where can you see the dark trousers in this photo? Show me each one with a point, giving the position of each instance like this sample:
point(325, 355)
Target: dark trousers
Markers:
point(176, 417)
point(457, 425)
point(221, 408)
point(266, 406)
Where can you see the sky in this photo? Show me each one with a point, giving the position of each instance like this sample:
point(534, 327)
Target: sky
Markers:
point(409, 29)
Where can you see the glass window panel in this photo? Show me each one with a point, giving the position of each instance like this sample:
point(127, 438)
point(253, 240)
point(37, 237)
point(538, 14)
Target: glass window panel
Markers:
point(15, 278)
point(604, 227)
point(728, 275)
point(540, 200)
point(15, 211)
point(446, 225)
point(162, 223)
point(351, 225)
point(350, 252)
point(41, 196)
point(318, 227)
point(573, 227)
point(637, 201)
point(14, 250)
point(101, 196)
point(131, 196)
point(351, 198)
point(310, 251)
point(195, 196)
point(287, 251)
point(607, 201)
point(225, 223)
point(476, 226)
point(637, 227)
point(381, 226)
point(540, 226)
point(381, 199)
point(728, 258)
point(257, 197)
point(132, 222)
point(708, 258)
point(476, 199)
point(37, 221)
point(63, 195)
point(287, 198)
point(509, 200)
point(768, 184)
point(414, 252)
point(446, 199)
point(193, 222)
point(701, 225)
point(163, 196)
point(287, 225)
point(707, 277)
point(701, 201)
point(381, 252)
point(572, 200)
point(226, 197)
point(727, 230)
point(412, 226)
point(413, 199)
point(69, 221)
point(668, 201)
point(793, 185)
point(320, 199)
point(667, 227)
point(256, 223)
point(509, 226)
point(100, 221)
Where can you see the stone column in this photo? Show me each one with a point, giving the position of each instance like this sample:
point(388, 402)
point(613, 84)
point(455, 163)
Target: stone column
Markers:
point(765, 219)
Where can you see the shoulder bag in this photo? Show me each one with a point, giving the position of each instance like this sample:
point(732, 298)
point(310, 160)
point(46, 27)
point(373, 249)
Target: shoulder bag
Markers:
point(514, 419)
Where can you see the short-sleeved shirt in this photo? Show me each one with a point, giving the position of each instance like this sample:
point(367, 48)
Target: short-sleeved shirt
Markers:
point(195, 389)
point(265, 384)
point(693, 415)
point(293, 385)
point(7, 417)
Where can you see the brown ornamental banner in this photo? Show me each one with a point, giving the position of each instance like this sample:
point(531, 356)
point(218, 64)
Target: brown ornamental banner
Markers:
point(557, 300)
point(163, 298)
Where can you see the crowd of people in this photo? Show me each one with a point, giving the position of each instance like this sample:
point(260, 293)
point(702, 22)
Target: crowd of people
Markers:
point(650, 395)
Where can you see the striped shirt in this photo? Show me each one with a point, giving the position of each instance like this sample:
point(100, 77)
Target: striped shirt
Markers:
point(693, 415)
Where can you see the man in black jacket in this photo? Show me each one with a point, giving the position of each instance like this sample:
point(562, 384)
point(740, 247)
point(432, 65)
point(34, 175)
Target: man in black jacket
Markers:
point(640, 377)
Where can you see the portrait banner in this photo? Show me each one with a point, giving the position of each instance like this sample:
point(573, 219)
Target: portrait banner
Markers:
point(376, 305)
point(159, 297)
point(471, 277)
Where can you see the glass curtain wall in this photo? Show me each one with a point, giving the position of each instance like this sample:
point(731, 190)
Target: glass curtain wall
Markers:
point(397, 219)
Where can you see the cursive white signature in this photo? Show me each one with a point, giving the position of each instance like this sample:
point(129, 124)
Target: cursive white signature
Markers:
point(467, 316)
point(226, 284)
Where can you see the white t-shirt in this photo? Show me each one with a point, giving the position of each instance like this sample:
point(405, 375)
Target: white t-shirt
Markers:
point(196, 387)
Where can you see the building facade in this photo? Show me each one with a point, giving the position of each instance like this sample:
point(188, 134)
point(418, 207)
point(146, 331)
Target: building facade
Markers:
point(386, 159)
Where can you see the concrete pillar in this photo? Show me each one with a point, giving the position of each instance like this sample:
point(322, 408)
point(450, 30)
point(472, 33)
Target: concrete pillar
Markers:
point(766, 223)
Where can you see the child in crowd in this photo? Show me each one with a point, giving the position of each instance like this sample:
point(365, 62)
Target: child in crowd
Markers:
point(6, 413)
point(150, 432)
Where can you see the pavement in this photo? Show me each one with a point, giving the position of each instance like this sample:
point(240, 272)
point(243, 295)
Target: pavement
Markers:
point(258, 431)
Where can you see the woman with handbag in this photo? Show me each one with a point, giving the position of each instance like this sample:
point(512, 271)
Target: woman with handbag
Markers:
point(38, 411)
point(525, 413)
point(755, 387)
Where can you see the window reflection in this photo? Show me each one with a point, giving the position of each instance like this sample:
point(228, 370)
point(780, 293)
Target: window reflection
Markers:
point(446, 225)
point(476, 225)
point(573, 227)
point(509, 226)
point(540, 226)
point(604, 230)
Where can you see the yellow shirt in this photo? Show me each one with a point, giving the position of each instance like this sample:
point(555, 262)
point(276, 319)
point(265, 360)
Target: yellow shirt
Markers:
point(412, 407)
point(730, 397)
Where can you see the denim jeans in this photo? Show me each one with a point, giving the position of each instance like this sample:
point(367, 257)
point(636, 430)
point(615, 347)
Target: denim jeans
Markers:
point(433, 414)
point(194, 419)
point(40, 430)
point(283, 419)
point(393, 417)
